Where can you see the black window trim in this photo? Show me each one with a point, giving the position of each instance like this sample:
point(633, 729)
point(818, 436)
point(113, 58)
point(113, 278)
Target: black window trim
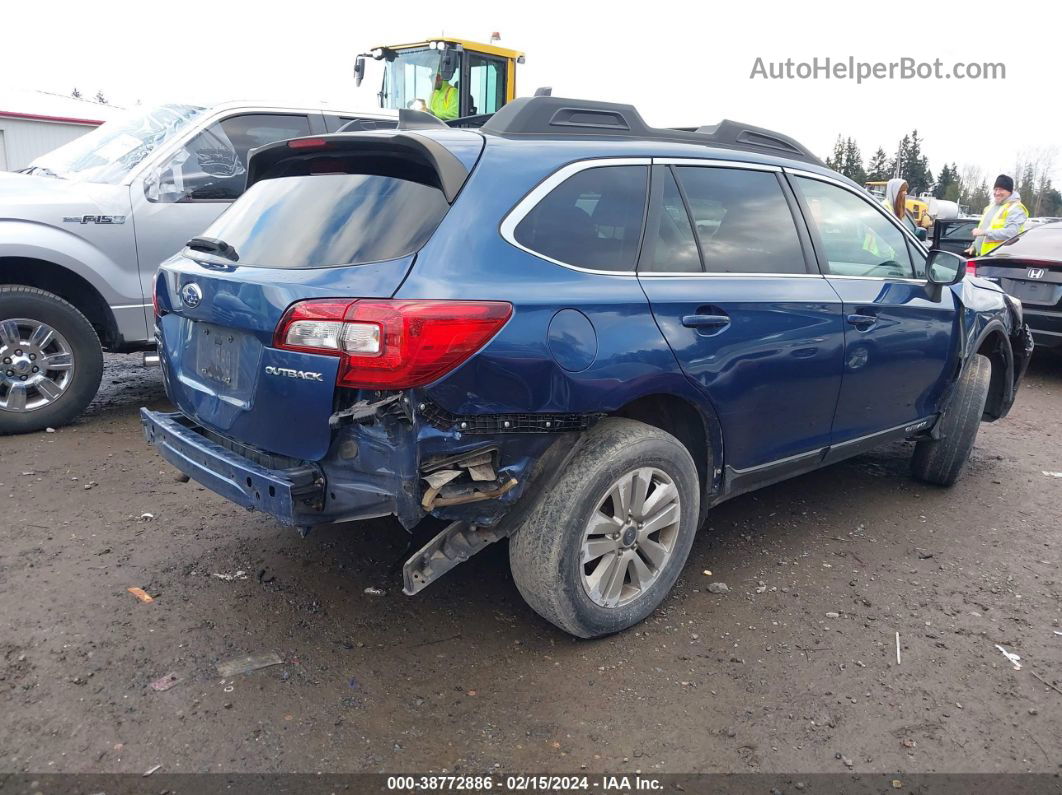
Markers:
point(861, 194)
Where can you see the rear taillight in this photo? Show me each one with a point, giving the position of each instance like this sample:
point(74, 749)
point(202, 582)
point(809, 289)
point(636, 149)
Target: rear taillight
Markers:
point(971, 267)
point(391, 344)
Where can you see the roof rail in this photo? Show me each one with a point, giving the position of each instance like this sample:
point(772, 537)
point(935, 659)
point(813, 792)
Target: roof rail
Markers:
point(544, 115)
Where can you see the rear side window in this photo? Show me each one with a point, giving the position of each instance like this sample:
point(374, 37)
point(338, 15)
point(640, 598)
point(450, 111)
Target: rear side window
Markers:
point(325, 220)
point(591, 220)
point(742, 220)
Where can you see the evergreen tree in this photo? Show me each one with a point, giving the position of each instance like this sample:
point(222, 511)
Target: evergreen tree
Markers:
point(898, 164)
point(853, 162)
point(878, 167)
point(836, 160)
point(1026, 185)
point(916, 166)
point(979, 198)
point(953, 189)
point(75, 93)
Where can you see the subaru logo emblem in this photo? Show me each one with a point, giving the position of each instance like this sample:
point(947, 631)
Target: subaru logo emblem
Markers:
point(191, 295)
point(1036, 273)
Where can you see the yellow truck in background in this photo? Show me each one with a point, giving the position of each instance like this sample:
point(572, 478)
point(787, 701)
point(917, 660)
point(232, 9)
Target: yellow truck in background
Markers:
point(483, 74)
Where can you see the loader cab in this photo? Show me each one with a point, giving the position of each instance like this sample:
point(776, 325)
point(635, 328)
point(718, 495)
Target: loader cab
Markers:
point(483, 75)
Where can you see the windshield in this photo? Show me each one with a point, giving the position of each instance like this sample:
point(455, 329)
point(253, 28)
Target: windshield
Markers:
point(409, 79)
point(110, 151)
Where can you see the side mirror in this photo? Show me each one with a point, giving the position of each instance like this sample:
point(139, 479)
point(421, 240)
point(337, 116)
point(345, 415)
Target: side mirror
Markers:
point(943, 268)
point(921, 234)
point(359, 70)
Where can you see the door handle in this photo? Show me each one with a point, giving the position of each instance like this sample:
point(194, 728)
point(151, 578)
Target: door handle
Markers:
point(705, 321)
point(862, 321)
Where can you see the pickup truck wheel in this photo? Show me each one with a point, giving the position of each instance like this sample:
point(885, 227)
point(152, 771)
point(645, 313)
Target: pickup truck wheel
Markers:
point(602, 549)
point(51, 361)
point(940, 461)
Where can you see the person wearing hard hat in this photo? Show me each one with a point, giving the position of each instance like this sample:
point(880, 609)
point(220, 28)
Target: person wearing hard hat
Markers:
point(444, 99)
point(1003, 218)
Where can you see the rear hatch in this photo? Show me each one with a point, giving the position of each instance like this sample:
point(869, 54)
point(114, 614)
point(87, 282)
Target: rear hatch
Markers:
point(1029, 267)
point(332, 217)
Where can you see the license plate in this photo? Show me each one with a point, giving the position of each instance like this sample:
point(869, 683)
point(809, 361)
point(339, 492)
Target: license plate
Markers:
point(1034, 293)
point(217, 354)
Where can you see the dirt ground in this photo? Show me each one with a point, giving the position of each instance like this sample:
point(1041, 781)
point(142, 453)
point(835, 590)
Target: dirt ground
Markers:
point(793, 670)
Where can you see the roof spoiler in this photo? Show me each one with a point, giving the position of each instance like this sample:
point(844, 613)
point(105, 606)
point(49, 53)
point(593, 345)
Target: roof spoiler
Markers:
point(291, 158)
point(546, 115)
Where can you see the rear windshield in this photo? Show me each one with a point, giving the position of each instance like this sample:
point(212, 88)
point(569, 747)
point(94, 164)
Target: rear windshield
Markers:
point(1040, 242)
point(327, 220)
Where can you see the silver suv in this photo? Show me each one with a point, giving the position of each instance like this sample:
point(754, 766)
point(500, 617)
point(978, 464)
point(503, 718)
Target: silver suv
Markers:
point(83, 228)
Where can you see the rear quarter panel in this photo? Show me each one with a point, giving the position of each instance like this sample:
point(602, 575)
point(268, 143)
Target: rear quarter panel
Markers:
point(624, 357)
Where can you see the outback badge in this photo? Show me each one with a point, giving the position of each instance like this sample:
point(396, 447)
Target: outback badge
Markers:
point(305, 375)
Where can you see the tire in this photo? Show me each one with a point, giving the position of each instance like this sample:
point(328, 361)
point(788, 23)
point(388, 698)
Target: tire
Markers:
point(545, 552)
point(27, 403)
point(940, 461)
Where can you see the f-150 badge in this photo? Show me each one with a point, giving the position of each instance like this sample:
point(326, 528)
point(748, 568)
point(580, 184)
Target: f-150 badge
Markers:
point(94, 219)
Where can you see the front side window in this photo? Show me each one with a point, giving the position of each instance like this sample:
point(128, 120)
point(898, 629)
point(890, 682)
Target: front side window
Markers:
point(857, 239)
point(591, 220)
point(742, 220)
point(213, 165)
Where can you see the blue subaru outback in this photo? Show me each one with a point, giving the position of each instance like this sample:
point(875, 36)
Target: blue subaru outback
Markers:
point(567, 329)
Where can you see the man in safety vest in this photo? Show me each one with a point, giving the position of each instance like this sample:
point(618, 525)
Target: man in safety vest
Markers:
point(1004, 218)
point(443, 102)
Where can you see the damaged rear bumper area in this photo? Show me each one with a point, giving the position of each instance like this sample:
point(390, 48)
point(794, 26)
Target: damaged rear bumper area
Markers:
point(390, 455)
point(286, 489)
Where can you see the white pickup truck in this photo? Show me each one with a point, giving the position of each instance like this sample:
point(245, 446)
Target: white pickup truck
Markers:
point(83, 228)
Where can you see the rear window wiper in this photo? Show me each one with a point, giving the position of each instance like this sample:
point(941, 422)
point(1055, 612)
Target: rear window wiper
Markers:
point(212, 245)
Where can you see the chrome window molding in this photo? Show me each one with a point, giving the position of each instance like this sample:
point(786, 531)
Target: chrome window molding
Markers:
point(692, 161)
point(540, 191)
point(725, 274)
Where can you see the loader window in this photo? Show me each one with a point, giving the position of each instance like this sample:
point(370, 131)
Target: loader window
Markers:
point(486, 84)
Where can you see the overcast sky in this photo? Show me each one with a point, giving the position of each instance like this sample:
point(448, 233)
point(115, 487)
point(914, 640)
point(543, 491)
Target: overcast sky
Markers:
point(679, 63)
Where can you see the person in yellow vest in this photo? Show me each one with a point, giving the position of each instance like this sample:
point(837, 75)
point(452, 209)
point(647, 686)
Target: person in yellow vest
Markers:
point(444, 99)
point(1004, 218)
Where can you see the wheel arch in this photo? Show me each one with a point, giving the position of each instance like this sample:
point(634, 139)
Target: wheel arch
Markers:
point(994, 343)
point(70, 286)
point(693, 424)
